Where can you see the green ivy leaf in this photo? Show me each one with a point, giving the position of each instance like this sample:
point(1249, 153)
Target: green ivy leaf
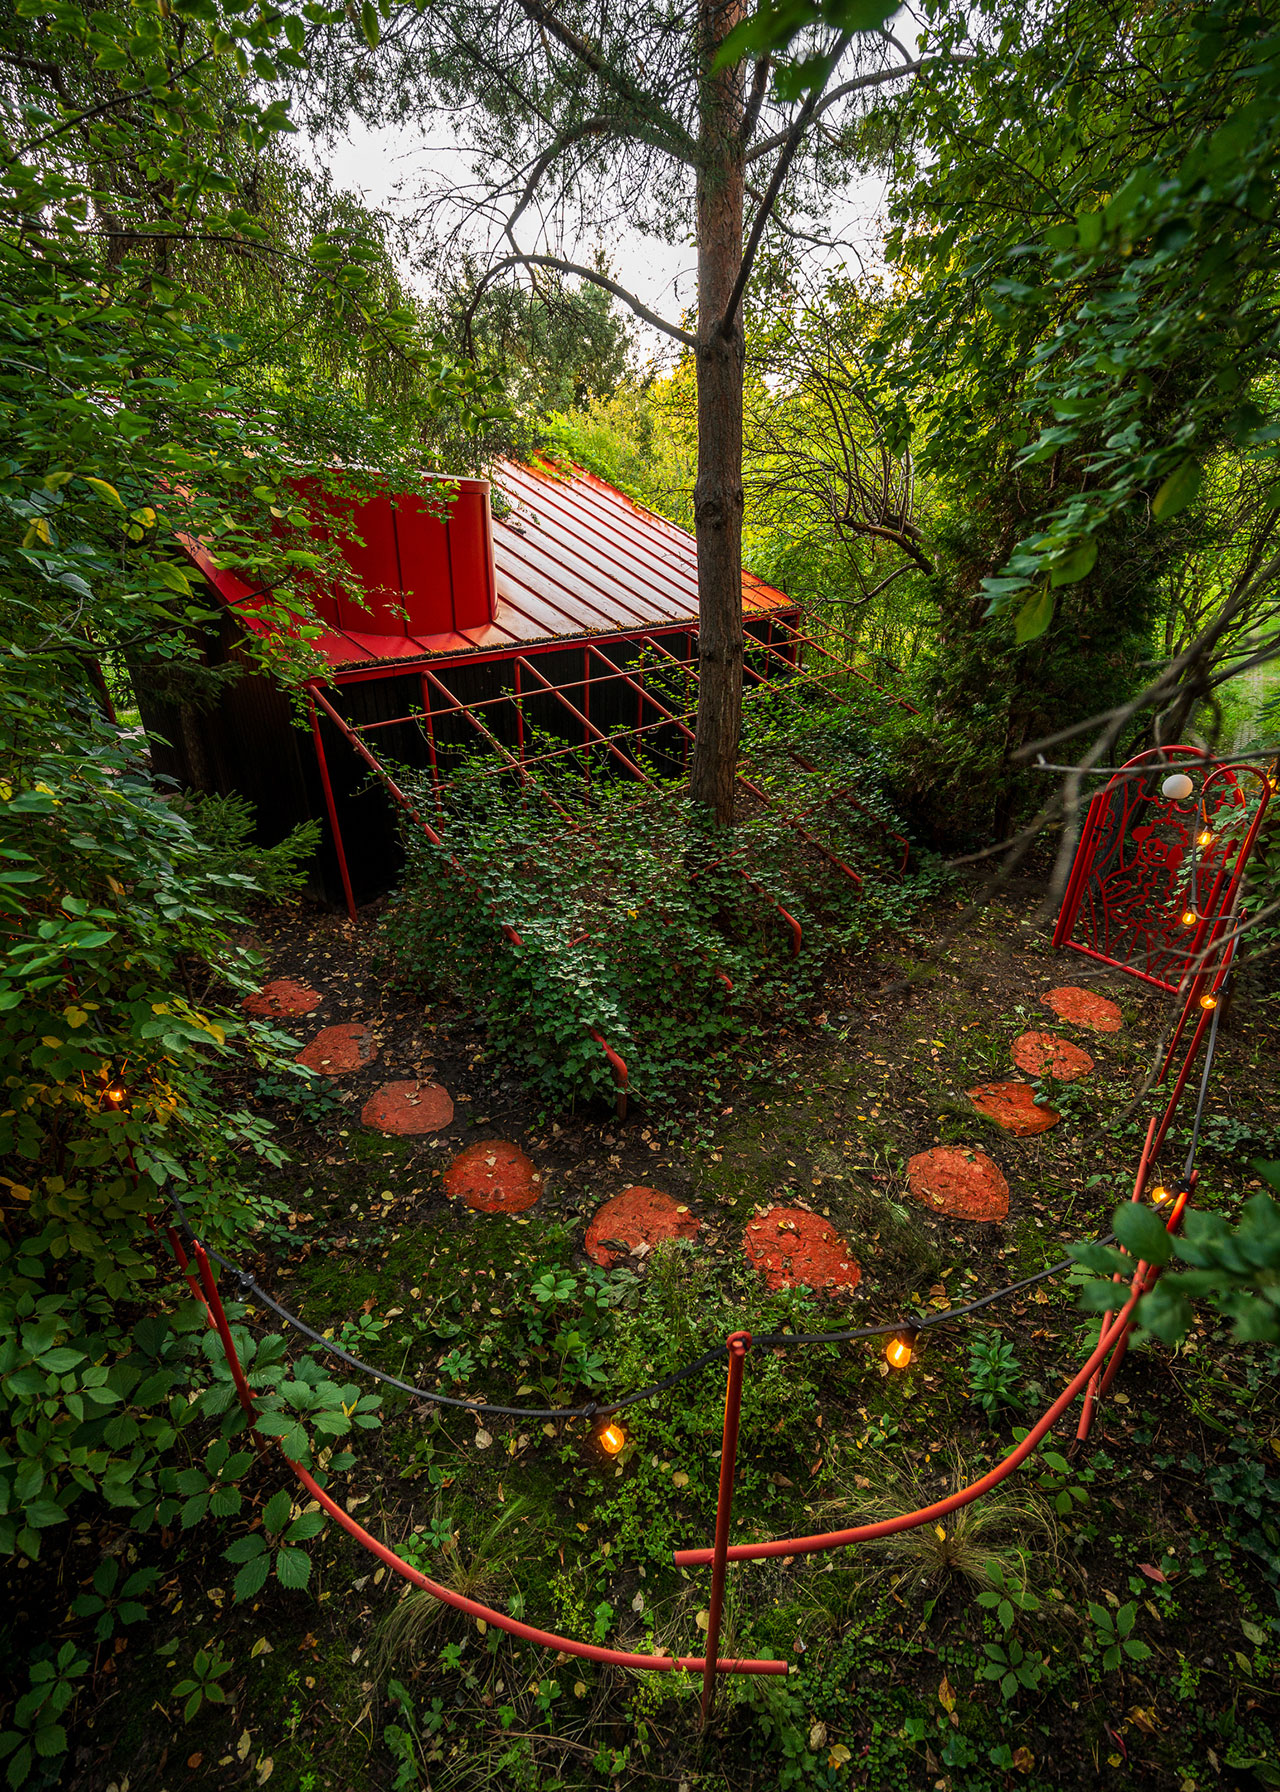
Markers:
point(1177, 491)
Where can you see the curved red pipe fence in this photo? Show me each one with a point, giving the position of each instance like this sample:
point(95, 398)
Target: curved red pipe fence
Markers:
point(1091, 1379)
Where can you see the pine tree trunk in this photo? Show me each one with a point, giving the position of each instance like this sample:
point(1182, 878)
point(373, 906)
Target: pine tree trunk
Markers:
point(717, 498)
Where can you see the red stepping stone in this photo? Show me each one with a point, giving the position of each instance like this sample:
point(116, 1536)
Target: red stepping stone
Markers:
point(1044, 1054)
point(408, 1108)
point(637, 1216)
point(337, 1051)
point(282, 996)
point(964, 1184)
point(1013, 1106)
point(791, 1247)
point(1083, 1008)
point(494, 1177)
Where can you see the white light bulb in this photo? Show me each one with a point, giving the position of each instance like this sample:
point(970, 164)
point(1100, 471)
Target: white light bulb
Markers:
point(1178, 786)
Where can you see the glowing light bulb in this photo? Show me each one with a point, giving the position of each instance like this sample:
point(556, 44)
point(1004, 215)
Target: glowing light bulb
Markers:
point(1205, 838)
point(1189, 917)
point(114, 1093)
point(1160, 1194)
point(611, 1439)
point(899, 1350)
point(1209, 1001)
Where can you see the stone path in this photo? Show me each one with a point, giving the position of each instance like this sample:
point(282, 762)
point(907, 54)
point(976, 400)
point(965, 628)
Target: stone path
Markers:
point(632, 1222)
point(792, 1247)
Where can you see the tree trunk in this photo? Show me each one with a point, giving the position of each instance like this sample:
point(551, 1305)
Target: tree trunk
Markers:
point(717, 497)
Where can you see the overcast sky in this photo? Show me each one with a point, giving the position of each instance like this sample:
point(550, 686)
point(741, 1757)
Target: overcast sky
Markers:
point(389, 167)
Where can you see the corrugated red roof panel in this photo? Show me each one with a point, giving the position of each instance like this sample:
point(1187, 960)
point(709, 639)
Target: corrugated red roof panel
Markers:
point(573, 557)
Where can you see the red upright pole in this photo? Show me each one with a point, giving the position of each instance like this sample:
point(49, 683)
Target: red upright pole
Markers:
point(738, 1345)
point(332, 807)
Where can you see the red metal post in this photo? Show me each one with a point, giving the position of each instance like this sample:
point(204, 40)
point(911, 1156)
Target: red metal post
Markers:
point(330, 805)
point(738, 1344)
point(213, 1301)
point(431, 741)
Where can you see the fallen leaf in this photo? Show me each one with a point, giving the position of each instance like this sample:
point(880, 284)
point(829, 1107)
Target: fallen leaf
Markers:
point(946, 1697)
point(679, 1479)
point(194, 1760)
point(579, 1689)
point(244, 1745)
point(261, 1647)
point(1023, 1760)
point(482, 1440)
point(264, 1769)
point(818, 1737)
point(839, 1756)
point(1152, 1573)
point(703, 1620)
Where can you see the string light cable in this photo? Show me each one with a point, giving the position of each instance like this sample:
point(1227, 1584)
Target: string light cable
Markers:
point(907, 1327)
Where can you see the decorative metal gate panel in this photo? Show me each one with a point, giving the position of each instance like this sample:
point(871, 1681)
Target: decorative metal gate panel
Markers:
point(1156, 876)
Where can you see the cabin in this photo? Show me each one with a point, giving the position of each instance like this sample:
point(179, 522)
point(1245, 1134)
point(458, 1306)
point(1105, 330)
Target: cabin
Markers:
point(509, 614)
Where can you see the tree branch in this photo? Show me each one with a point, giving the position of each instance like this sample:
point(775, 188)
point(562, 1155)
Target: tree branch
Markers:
point(597, 279)
point(880, 78)
point(678, 141)
point(785, 158)
point(759, 87)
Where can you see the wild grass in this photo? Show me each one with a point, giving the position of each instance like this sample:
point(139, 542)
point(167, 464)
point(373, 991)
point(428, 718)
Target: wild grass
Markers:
point(1011, 1527)
point(479, 1573)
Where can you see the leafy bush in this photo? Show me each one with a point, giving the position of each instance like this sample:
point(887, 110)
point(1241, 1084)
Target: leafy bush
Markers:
point(637, 924)
point(224, 826)
point(1236, 1268)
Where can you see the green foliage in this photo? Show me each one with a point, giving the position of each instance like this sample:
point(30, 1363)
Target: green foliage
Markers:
point(275, 1546)
point(200, 1687)
point(1113, 282)
point(1006, 1596)
point(633, 921)
point(1013, 1666)
point(113, 1601)
point(1235, 1267)
point(223, 827)
point(38, 1739)
point(993, 1373)
point(1113, 1637)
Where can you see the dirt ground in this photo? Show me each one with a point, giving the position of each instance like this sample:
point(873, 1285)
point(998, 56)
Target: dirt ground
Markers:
point(1164, 1530)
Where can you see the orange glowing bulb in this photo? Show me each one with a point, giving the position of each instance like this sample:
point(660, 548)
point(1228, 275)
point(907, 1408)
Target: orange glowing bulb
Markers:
point(612, 1439)
point(898, 1351)
point(1189, 917)
point(1209, 1001)
point(115, 1094)
point(1160, 1194)
point(1204, 839)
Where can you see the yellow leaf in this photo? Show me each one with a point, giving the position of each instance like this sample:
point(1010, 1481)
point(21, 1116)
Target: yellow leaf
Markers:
point(159, 1007)
point(38, 532)
point(680, 1479)
point(264, 1769)
point(105, 489)
point(261, 1647)
point(244, 1745)
point(940, 1533)
point(1023, 1760)
point(839, 1756)
point(703, 1620)
point(18, 1190)
point(579, 1689)
point(146, 516)
point(946, 1697)
point(52, 481)
point(74, 1017)
point(51, 1042)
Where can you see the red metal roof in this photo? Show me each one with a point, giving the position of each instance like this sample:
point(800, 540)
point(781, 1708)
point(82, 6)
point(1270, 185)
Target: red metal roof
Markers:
point(574, 557)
